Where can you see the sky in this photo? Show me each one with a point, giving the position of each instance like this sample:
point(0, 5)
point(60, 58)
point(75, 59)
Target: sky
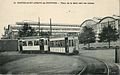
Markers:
point(12, 12)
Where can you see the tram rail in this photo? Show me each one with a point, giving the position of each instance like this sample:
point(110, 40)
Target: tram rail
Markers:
point(94, 66)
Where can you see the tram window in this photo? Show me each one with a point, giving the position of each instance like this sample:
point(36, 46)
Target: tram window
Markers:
point(24, 43)
point(56, 44)
point(72, 43)
point(51, 44)
point(30, 43)
point(59, 44)
point(36, 43)
point(42, 42)
point(45, 42)
point(63, 43)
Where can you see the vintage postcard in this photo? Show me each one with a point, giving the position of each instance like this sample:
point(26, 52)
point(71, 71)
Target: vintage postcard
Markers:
point(64, 37)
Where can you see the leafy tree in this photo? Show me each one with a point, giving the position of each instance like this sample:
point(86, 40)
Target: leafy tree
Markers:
point(26, 31)
point(87, 36)
point(108, 34)
point(44, 34)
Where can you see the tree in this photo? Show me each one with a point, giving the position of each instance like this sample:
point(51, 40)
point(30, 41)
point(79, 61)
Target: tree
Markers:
point(108, 34)
point(26, 31)
point(87, 36)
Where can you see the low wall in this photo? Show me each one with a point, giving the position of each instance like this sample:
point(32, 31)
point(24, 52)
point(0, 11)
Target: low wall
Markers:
point(8, 45)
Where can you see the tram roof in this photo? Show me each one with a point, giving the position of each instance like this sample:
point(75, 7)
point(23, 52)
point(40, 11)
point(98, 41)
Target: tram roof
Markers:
point(62, 38)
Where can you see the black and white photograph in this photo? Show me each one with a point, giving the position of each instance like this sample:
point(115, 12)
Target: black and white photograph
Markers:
point(60, 37)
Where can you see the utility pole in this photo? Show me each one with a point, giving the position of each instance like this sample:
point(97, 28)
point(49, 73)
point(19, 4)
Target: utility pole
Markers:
point(49, 36)
point(116, 55)
point(39, 24)
point(50, 27)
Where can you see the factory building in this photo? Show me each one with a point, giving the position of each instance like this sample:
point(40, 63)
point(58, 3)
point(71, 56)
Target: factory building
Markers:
point(97, 23)
point(11, 31)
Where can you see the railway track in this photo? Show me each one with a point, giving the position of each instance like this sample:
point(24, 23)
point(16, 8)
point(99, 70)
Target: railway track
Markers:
point(94, 66)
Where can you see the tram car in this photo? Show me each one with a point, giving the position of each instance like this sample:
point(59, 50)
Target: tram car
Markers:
point(33, 45)
point(67, 45)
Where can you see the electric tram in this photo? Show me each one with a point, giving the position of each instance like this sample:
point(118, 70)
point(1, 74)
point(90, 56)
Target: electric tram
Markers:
point(67, 45)
point(31, 45)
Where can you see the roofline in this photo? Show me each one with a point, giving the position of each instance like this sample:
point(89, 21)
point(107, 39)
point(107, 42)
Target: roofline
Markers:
point(107, 17)
point(88, 20)
point(100, 20)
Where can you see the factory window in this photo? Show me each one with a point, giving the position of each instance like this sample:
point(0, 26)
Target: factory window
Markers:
point(46, 42)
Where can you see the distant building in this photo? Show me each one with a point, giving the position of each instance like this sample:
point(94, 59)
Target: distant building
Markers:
point(11, 32)
point(97, 23)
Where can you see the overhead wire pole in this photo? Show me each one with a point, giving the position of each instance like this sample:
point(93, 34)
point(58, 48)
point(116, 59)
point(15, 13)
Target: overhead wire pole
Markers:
point(49, 36)
point(50, 27)
point(39, 24)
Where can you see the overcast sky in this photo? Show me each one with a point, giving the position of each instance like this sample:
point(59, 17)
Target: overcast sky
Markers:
point(60, 13)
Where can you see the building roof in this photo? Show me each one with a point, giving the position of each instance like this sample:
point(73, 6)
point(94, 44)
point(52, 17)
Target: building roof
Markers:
point(46, 24)
point(96, 20)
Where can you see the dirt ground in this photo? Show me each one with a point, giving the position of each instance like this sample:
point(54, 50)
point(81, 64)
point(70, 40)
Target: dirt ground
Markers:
point(105, 55)
point(14, 62)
